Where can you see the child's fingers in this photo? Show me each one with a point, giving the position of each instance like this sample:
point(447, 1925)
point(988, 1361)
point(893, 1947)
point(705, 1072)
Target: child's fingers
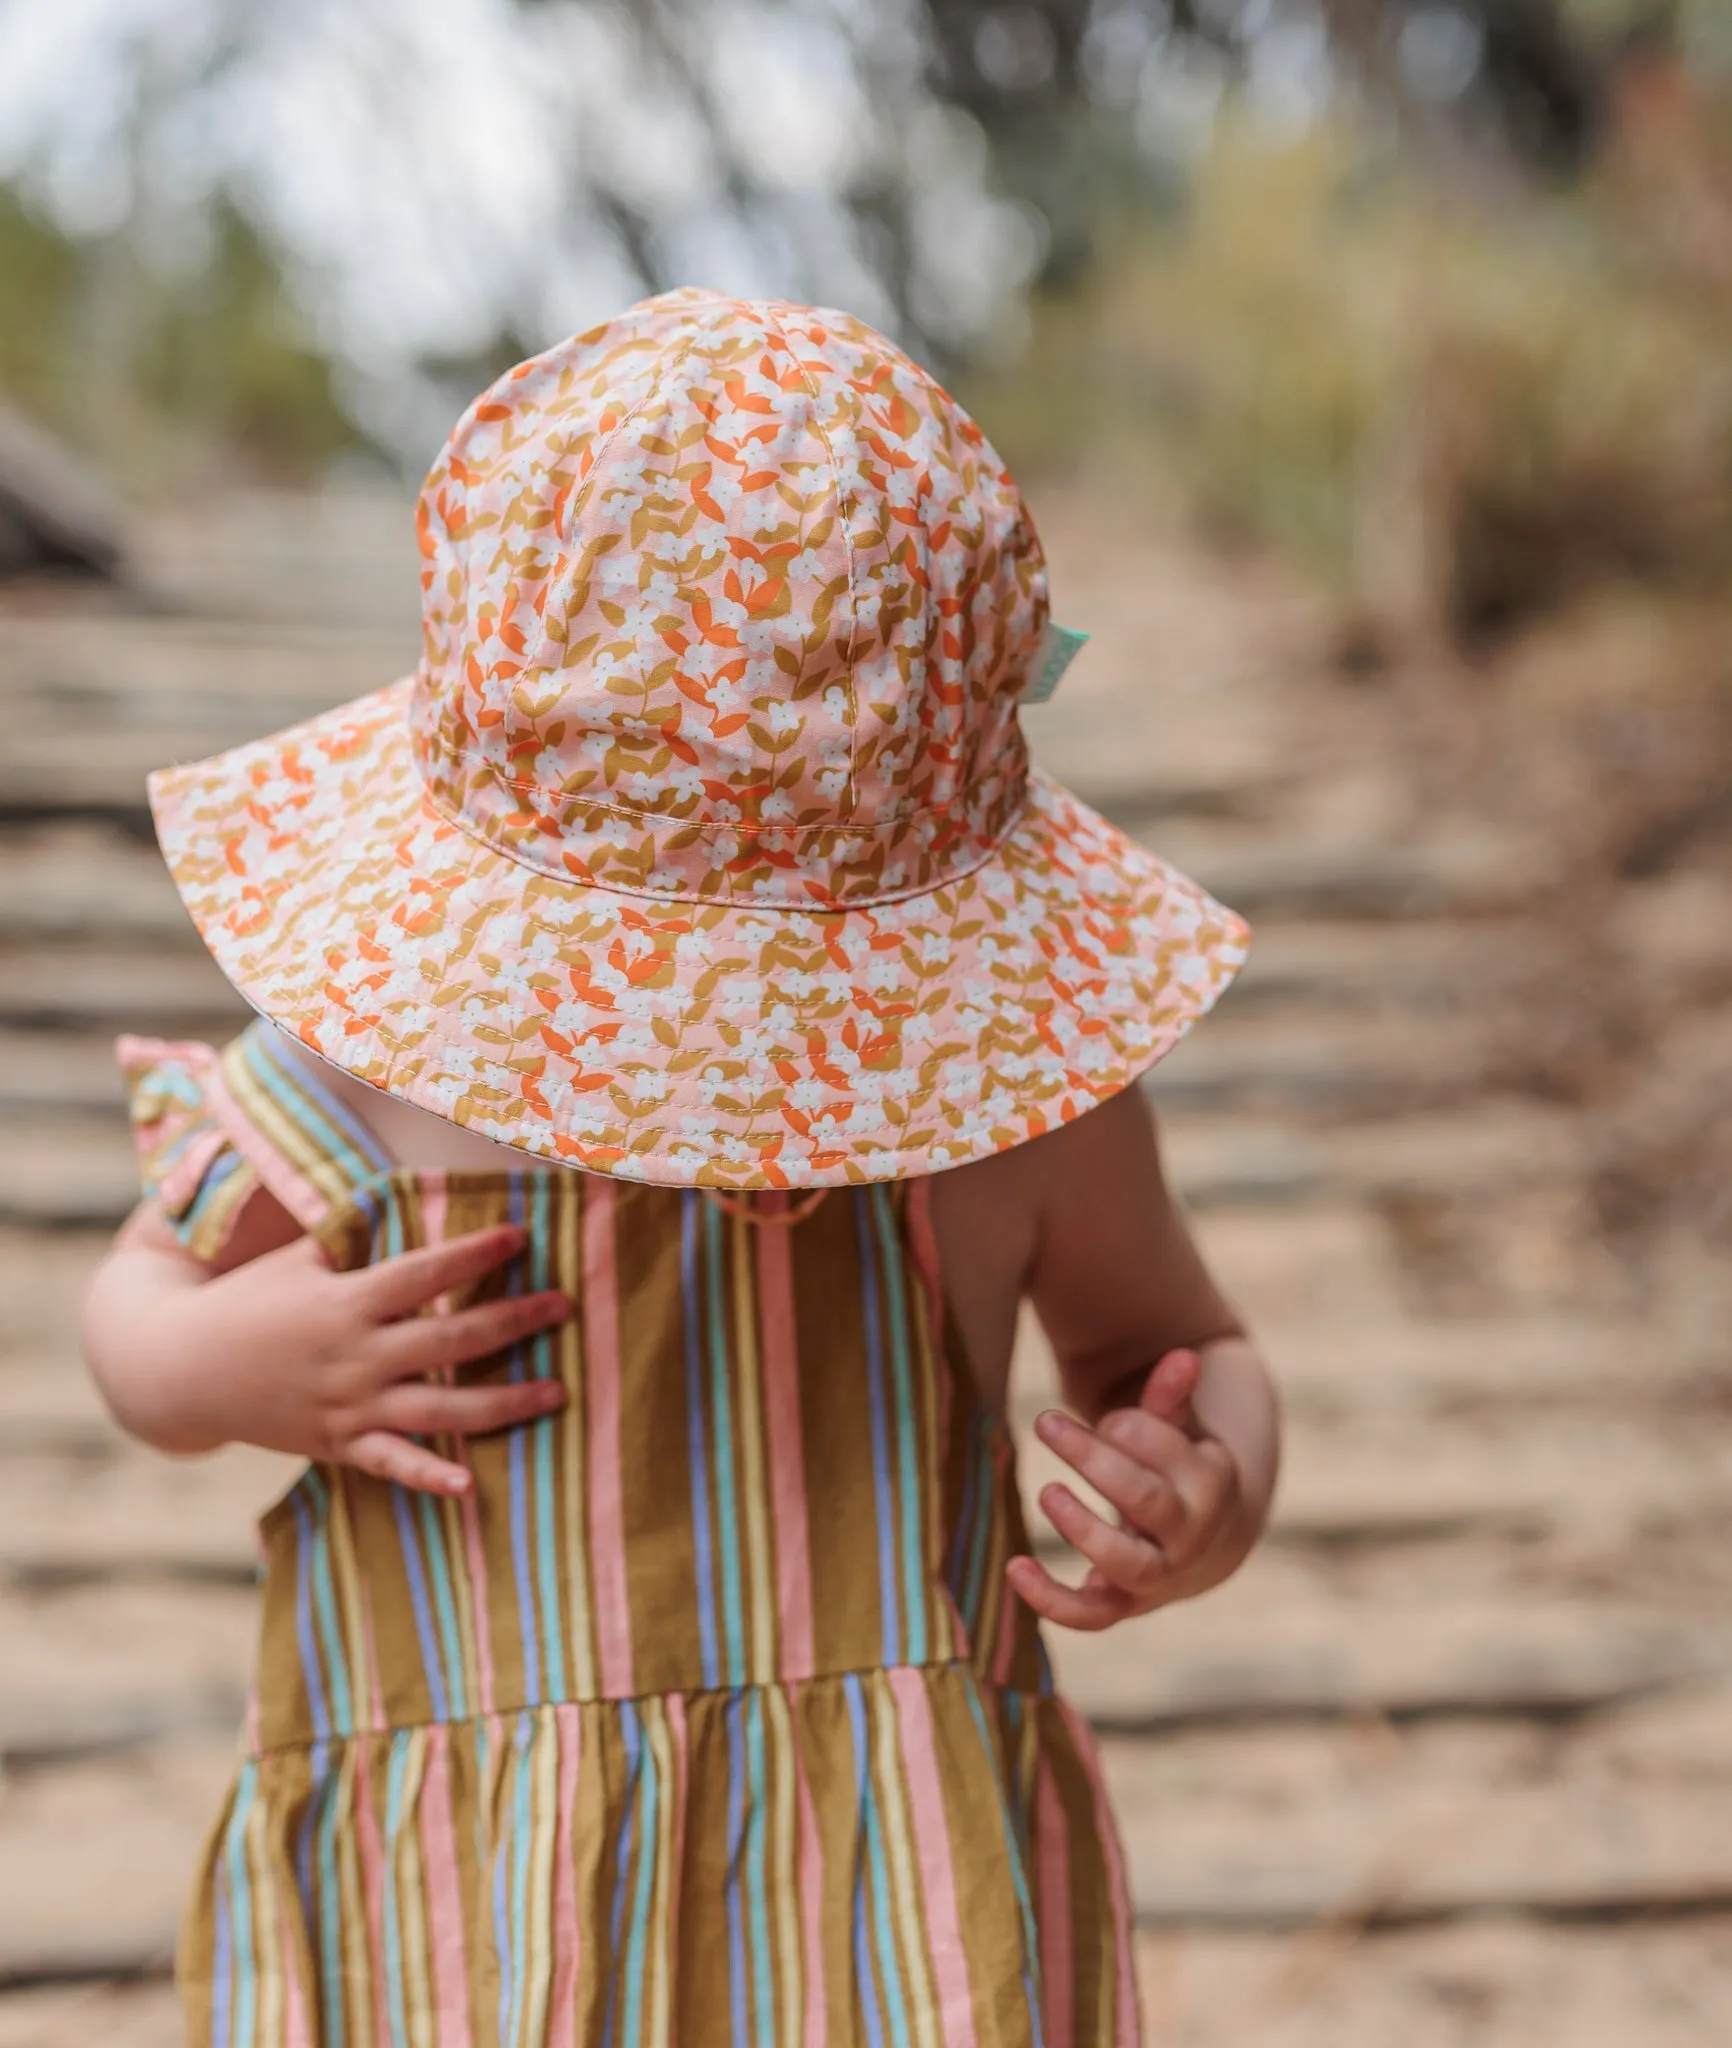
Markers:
point(437, 1344)
point(398, 1287)
point(424, 1410)
point(384, 1456)
point(1091, 1606)
point(1168, 1389)
point(1142, 1493)
point(1134, 1563)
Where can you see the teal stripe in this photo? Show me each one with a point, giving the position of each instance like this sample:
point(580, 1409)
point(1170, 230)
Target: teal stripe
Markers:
point(431, 1515)
point(278, 1069)
point(246, 1964)
point(648, 1789)
point(757, 1889)
point(894, 1986)
point(392, 1931)
point(906, 1410)
point(546, 1541)
point(1013, 1853)
point(325, 1606)
point(727, 1513)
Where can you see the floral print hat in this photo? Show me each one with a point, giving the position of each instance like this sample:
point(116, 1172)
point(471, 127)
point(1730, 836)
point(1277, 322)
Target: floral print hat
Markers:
point(703, 846)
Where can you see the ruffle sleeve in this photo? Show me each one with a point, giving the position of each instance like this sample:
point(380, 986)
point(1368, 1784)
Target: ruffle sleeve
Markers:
point(189, 1162)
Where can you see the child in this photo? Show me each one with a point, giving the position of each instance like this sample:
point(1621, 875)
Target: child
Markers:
point(650, 1648)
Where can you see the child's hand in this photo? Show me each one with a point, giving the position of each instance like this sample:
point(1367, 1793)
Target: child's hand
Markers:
point(284, 1353)
point(1182, 1520)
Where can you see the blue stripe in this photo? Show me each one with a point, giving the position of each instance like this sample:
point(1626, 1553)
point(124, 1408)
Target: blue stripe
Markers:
point(881, 1486)
point(328, 1790)
point(319, 1763)
point(648, 1788)
point(704, 1568)
point(722, 1413)
point(547, 1542)
point(418, 1602)
point(864, 1976)
point(311, 1670)
point(907, 1412)
point(629, 1732)
point(434, 1519)
point(517, 1459)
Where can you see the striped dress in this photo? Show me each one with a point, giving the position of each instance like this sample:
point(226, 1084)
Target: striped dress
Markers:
point(706, 1716)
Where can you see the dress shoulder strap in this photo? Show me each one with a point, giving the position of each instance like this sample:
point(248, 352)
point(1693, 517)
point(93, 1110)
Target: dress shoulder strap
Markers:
point(312, 1152)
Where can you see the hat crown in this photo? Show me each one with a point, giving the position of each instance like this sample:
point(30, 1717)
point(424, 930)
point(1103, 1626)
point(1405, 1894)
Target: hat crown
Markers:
point(727, 599)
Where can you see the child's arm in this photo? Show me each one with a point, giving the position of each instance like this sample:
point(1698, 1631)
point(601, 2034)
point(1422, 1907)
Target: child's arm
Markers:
point(274, 1348)
point(1185, 1434)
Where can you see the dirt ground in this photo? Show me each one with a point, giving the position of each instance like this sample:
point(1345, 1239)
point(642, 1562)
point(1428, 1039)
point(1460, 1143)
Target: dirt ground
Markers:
point(1451, 1761)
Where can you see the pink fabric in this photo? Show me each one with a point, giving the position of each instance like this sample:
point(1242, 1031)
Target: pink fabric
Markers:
point(444, 1897)
point(374, 1877)
point(781, 1366)
point(1052, 1875)
point(296, 2032)
point(932, 1850)
point(602, 1367)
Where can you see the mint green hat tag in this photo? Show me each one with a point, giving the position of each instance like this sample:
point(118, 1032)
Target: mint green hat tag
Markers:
point(1059, 647)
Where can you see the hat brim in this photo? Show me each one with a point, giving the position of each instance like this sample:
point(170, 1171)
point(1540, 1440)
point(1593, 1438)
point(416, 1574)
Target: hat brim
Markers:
point(691, 1043)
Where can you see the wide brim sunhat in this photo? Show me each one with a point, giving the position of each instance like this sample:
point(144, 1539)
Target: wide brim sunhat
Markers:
point(703, 847)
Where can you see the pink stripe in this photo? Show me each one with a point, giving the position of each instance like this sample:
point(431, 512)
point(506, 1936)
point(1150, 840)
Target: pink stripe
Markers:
point(434, 1195)
point(562, 2021)
point(1053, 1912)
point(811, 1854)
point(371, 1847)
point(932, 1850)
point(601, 1361)
point(781, 1369)
point(1128, 2032)
point(296, 2032)
point(444, 1894)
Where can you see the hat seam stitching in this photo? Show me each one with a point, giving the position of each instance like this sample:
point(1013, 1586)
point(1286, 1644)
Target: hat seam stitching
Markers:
point(543, 789)
point(845, 504)
point(768, 908)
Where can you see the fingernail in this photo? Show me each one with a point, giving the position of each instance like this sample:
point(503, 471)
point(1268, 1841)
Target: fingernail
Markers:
point(1050, 1423)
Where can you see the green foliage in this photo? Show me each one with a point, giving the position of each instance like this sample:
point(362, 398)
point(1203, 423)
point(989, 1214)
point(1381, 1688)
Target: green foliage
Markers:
point(1458, 401)
point(158, 371)
point(225, 358)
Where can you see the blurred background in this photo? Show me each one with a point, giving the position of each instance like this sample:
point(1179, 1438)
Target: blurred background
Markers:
point(1367, 365)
